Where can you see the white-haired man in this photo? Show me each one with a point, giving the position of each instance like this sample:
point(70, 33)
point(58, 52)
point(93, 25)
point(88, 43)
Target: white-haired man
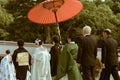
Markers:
point(86, 30)
point(87, 58)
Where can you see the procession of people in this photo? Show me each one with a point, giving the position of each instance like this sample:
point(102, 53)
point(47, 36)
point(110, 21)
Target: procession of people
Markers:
point(72, 61)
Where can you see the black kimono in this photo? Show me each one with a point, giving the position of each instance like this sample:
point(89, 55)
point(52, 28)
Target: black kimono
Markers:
point(55, 52)
point(20, 70)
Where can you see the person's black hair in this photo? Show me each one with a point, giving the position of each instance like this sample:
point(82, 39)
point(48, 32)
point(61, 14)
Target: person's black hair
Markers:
point(72, 34)
point(20, 42)
point(72, 37)
point(56, 39)
point(7, 51)
point(40, 42)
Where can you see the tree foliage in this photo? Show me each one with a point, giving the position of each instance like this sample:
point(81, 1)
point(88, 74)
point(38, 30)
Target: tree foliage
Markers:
point(5, 19)
point(3, 2)
point(99, 15)
point(22, 27)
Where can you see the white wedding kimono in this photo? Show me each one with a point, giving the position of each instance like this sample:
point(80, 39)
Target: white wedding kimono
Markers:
point(41, 64)
point(7, 68)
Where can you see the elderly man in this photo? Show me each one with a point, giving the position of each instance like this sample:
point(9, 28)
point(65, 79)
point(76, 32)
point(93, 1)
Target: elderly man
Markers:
point(87, 58)
point(109, 57)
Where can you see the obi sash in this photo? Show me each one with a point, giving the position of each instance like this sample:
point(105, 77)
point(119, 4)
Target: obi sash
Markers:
point(23, 59)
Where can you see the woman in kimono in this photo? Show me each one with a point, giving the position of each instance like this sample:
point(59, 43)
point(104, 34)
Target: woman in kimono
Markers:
point(55, 53)
point(22, 60)
point(41, 63)
point(7, 67)
point(67, 65)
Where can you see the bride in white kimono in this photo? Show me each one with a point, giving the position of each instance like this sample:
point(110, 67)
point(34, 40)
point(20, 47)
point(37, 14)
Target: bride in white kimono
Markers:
point(41, 63)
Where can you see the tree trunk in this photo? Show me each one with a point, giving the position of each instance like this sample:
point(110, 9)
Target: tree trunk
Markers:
point(47, 34)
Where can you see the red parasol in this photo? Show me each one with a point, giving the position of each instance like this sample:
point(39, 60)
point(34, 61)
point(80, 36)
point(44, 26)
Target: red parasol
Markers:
point(53, 11)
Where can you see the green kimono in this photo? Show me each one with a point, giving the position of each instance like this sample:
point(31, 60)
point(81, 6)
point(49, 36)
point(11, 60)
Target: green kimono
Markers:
point(67, 63)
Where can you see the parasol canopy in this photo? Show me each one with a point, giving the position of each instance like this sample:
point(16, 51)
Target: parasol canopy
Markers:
point(54, 11)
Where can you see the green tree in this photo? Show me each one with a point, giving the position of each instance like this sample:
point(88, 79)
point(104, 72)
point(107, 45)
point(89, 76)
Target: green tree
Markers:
point(22, 27)
point(5, 19)
point(99, 15)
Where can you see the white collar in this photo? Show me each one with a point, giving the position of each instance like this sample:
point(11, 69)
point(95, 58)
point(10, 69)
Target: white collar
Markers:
point(86, 35)
point(72, 42)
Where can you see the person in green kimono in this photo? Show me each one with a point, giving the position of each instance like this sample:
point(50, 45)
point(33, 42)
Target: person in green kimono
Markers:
point(67, 65)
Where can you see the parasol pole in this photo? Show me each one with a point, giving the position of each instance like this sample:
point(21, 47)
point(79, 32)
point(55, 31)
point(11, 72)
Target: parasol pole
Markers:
point(58, 29)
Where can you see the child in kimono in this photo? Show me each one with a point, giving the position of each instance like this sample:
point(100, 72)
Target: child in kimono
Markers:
point(7, 67)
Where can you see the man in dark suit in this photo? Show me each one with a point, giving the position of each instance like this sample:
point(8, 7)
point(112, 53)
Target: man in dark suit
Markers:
point(87, 58)
point(109, 57)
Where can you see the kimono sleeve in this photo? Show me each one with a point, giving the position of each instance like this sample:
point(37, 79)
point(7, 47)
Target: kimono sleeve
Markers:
point(63, 63)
